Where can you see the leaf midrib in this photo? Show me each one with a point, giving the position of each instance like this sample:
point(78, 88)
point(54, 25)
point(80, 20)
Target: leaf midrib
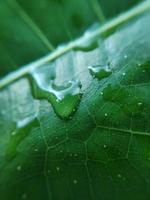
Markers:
point(112, 24)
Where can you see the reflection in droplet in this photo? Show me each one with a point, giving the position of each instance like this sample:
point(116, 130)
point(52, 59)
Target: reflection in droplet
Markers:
point(75, 181)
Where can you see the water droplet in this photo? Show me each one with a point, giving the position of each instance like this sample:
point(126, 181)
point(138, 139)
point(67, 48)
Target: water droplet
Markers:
point(35, 150)
point(19, 167)
point(133, 108)
point(100, 72)
point(75, 181)
point(64, 98)
point(13, 133)
point(123, 73)
point(139, 103)
point(125, 56)
point(119, 176)
point(105, 146)
point(24, 196)
point(57, 168)
point(106, 114)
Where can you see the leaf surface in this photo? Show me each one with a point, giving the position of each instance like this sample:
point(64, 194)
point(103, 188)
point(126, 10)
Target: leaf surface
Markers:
point(100, 150)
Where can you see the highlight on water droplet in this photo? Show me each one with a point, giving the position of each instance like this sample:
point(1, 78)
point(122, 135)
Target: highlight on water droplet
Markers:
point(57, 168)
point(100, 72)
point(119, 175)
point(75, 181)
point(64, 98)
point(19, 167)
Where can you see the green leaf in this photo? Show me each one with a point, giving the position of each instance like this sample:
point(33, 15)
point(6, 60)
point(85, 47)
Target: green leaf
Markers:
point(29, 30)
point(76, 123)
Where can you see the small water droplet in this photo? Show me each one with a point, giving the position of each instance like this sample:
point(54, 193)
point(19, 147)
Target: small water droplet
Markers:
point(119, 176)
point(125, 56)
point(123, 73)
point(57, 168)
point(13, 133)
point(133, 108)
point(35, 150)
point(19, 167)
point(75, 181)
point(106, 114)
point(24, 196)
point(100, 72)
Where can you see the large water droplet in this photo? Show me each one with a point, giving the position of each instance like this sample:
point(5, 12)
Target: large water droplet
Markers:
point(100, 72)
point(64, 98)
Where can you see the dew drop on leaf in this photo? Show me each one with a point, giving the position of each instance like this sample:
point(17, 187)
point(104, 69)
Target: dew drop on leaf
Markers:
point(64, 98)
point(119, 176)
point(75, 181)
point(24, 196)
point(19, 167)
point(100, 72)
point(57, 168)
